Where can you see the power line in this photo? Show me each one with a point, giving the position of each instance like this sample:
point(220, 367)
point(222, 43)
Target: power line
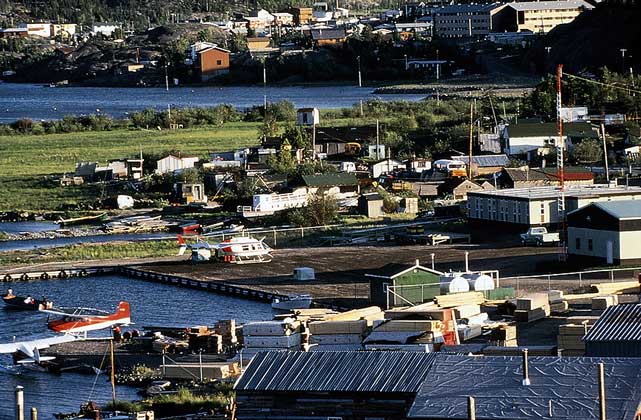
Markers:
point(611, 85)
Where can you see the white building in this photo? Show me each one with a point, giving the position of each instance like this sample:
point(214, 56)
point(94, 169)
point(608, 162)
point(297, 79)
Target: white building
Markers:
point(173, 163)
point(541, 138)
point(537, 206)
point(104, 28)
point(574, 113)
point(283, 19)
point(606, 231)
point(37, 29)
point(385, 166)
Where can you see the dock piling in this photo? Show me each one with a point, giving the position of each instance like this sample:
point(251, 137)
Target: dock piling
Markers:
point(34, 413)
point(19, 403)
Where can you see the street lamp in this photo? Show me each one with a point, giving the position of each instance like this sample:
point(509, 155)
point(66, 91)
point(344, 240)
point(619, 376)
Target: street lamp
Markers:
point(360, 80)
point(547, 58)
point(623, 50)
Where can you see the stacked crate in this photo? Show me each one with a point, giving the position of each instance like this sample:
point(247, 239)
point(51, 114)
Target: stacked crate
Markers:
point(532, 307)
point(201, 339)
point(569, 339)
point(558, 304)
point(226, 328)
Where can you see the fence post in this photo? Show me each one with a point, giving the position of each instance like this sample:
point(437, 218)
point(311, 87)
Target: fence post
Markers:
point(518, 290)
point(611, 276)
point(549, 282)
point(302, 232)
point(274, 237)
point(580, 280)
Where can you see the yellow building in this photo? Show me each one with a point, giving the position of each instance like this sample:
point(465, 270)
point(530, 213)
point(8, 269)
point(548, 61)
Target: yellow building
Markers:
point(538, 16)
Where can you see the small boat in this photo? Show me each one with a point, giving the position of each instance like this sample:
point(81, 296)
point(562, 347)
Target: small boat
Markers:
point(291, 302)
point(102, 217)
point(19, 303)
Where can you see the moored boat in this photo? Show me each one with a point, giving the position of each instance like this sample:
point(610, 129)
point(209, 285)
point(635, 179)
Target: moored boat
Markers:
point(23, 303)
point(290, 302)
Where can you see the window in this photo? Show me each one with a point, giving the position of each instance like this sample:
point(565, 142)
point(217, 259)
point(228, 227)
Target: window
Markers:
point(590, 245)
point(578, 243)
point(219, 62)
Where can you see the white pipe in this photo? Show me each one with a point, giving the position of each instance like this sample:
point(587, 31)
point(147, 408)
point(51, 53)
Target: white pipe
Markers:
point(19, 403)
point(467, 262)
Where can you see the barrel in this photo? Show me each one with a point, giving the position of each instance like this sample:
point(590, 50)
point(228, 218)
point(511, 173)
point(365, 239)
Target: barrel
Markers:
point(454, 283)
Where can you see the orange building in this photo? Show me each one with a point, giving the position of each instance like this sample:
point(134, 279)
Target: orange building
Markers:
point(212, 62)
point(328, 37)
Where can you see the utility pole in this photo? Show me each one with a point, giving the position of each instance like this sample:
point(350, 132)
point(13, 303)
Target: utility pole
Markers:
point(166, 79)
point(605, 154)
point(471, 140)
point(560, 148)
point(623, 50)
point(360, 79)
point(438, 68)
point(377, 140)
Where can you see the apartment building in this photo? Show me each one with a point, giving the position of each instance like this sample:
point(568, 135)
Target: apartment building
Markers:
point(537, 16)
point(465, 20)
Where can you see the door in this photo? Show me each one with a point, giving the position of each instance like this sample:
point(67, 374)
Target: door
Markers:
point(609, 252)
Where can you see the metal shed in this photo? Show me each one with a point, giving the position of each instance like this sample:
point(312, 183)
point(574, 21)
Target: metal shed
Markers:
point(617, 333)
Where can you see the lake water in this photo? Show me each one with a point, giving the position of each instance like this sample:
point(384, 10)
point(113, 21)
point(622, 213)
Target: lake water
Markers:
point(151, 304)
point(43, 103)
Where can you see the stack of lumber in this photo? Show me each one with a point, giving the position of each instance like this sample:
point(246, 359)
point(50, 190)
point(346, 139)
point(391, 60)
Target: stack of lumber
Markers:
point(504, 335)
point(210, 370)
point(458, 299)
point(336, 335)
point(342, 331)
point(601, 303)
point(421, 311)
point(271, 335)
point(309, 315)
point(532, 307)
point(370, 314)
point(207, 343)
point(569, 339)
point(616, 288)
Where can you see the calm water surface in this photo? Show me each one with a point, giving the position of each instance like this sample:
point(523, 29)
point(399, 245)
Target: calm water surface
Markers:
point(151, 303)
point(39, 102)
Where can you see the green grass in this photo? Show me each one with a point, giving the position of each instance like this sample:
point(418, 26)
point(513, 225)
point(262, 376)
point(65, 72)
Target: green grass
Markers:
point(28, 161)
point(115, 250)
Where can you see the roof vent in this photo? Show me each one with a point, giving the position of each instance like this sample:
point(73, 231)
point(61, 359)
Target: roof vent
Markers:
point(526, 369)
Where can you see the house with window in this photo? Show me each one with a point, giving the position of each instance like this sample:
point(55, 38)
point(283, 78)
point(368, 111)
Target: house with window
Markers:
point(608, 231)
point(210, 60)
point(526, 177)
point(531, 139)
point(465, 21)
point(521, 208)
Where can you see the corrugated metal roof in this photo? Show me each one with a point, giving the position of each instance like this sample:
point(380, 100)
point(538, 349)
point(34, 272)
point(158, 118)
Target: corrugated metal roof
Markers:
point(561, 388)
point(624, 209)
point(360, 371)
point(550, 5)
point(618, 323)
point(484, 161)
point(325, 180)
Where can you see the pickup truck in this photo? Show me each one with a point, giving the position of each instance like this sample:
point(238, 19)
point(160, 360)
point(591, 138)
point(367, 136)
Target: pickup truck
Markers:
point(539, 236)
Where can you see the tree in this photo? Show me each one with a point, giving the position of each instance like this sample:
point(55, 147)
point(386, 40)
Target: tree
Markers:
point(321, 210)
point(268, 128)
point(588, 150)
point(297, 137)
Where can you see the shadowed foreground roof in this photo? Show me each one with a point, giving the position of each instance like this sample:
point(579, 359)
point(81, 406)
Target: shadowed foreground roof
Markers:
point(361, 371)
point(569, 385)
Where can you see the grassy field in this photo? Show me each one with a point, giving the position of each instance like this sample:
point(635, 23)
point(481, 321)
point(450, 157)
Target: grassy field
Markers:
point(28, 162)
point(110, 251)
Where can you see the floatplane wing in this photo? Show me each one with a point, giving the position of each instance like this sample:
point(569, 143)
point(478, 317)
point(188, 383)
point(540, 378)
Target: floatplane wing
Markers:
point(80, 322)
point(30, 350)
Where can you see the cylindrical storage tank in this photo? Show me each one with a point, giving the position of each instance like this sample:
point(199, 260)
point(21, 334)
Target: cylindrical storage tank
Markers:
point(479, 282)
point(454, 283)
